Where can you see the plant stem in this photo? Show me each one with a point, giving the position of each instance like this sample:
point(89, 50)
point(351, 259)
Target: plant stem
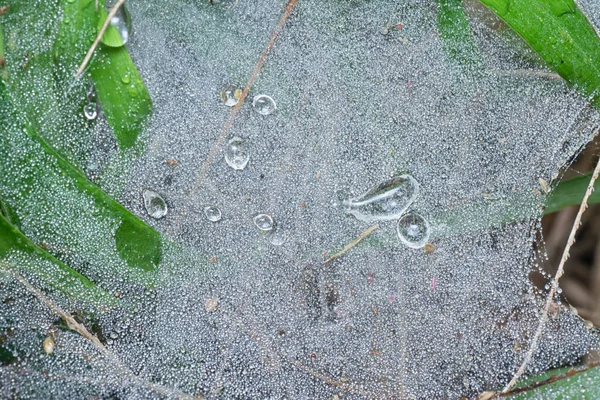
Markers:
point(557, 276)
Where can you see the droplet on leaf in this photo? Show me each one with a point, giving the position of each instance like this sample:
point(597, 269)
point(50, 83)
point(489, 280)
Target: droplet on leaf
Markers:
point(264, 222)
point(212, 213)
point(388, 201)
point(156, 207)
point(264, 104)
point(413, 230)
point(236, 155)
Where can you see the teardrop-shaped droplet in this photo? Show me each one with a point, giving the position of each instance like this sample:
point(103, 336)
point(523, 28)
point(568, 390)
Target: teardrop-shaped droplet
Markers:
point(236, 155)
point(413, 230)
point(155, 205)
point(212, 213)
point(264, 104)
point(263, 222)
point(122, 22)
point(90, 111)
point(230, 95)
point(388, 201)
point(119, 30)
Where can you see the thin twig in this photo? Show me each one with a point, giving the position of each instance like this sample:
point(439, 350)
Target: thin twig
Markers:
point(90, 52)
point(123, 370)
point(352, 243)
point(557, 276)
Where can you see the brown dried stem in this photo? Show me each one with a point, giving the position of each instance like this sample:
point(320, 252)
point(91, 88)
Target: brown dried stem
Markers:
point(557, 276)
point(123, 370)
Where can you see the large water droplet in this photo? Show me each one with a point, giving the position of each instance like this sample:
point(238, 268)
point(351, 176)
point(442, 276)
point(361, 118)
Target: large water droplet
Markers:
point(264, 104)
point(230, 95)
point(236, 154)
point(388, 201)
point(90, 111)
point(413, 230)
point(156, 207)
point(264, 222)
point(122, 22)
point(212, 213)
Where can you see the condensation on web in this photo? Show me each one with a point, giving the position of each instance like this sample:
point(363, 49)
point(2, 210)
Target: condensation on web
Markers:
point(363, 92)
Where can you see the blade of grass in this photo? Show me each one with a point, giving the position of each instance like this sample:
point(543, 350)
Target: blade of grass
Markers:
point(561, 34)
point(457, 38)
point(119, 86)
point(138, 244)
point(569, 192)
point(50, 270)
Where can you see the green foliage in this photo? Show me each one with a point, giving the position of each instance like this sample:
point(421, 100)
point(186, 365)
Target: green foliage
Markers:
point(559, 32)
point(124, 97)
point(43, 186)
point(563, 384)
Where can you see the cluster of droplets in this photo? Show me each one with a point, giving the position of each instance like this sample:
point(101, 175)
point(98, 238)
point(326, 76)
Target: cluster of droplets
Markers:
point(388, 201)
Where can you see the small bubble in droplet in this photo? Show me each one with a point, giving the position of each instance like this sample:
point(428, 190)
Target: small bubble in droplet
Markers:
point(264, 222)
point(236, 155)
point(155, 205)
point(212, 213)
point(90, 111)
point(264, 104)
point(413, 230)
point(230, 95)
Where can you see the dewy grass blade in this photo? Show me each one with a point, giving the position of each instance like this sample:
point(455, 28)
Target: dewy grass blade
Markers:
point(561, 34)
point(124, 97)
point(48, 269)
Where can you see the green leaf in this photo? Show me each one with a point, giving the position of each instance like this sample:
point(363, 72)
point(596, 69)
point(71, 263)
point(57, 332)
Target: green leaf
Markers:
point(455, 31)
point(562, 384)
point(570, 192)
point(119, 87)
point(559, 32)
point(52, 272)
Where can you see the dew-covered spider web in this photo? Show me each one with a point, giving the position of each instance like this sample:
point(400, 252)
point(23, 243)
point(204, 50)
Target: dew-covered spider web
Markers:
point(360, 97)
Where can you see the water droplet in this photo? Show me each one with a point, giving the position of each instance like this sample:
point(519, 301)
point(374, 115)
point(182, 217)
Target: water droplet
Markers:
point(388, 201)
point(90, 111)
point(156, 207)
point(277, 238)
point(413, 230)
point(212, 213)
point(236, 154)
point(122, 21)
point(264, 104)
point(230, 95)
point(125, 79)
point(264, 222)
